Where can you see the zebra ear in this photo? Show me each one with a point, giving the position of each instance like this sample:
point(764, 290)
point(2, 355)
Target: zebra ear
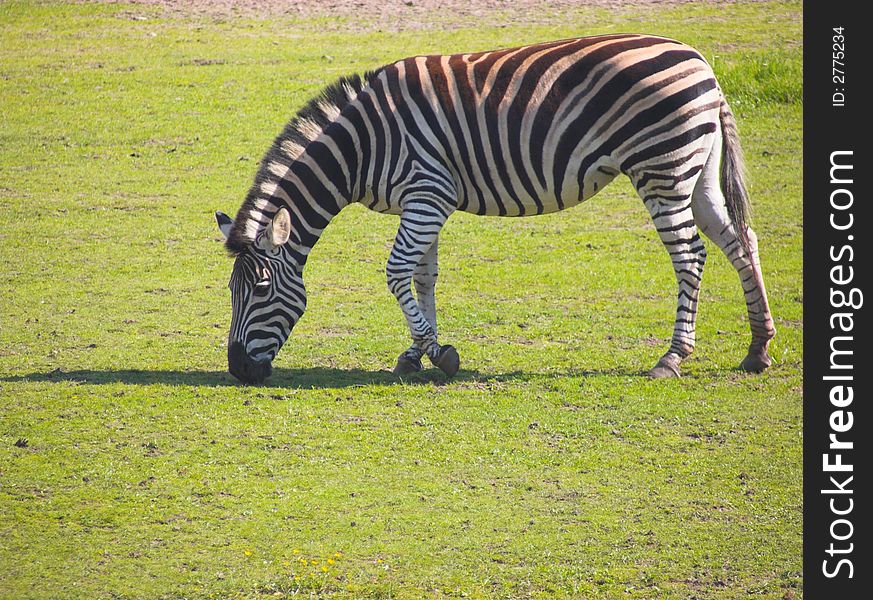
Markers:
point(224, 223)
point(279, 230)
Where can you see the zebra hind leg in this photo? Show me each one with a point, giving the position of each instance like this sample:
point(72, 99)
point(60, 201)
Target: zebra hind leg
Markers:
point(675, 224)
point(710, 214)
point(414, 257)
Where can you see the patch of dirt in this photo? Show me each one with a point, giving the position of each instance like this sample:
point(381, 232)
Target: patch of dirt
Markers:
point(396, 15)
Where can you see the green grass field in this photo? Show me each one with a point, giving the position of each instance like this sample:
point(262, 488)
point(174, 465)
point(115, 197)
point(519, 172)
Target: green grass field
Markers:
point(133, 466)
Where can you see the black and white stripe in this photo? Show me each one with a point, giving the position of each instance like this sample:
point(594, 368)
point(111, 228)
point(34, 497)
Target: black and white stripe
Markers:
point(513, 132)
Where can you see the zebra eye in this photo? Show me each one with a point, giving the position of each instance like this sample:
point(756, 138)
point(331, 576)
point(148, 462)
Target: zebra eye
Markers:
point(262, 287)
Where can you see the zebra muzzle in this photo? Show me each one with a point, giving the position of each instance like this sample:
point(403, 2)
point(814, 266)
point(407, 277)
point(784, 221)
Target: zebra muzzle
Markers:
point(244, 368)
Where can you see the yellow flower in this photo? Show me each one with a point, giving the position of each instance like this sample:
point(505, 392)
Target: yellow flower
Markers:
point(248, 553)
point(296, 550)
point(330, 561)
point(324, 569)
point(314, 562)
point(286, 563)
point(338, 555)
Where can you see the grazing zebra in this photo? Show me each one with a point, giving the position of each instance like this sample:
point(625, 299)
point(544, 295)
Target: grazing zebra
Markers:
point(515, 132)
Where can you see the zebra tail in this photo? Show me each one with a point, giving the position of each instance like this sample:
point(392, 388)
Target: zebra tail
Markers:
point(733, 176)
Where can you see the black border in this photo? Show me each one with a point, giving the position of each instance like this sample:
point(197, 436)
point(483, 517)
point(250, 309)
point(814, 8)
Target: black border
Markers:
point(829, 128)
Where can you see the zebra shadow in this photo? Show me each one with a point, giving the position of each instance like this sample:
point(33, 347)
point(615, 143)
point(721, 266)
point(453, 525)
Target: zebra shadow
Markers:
point(299, 378)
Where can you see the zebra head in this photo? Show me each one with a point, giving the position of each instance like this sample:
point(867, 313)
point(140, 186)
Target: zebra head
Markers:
point(268, 299)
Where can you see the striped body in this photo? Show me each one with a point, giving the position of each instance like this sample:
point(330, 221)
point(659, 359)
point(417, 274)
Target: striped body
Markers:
point(537, 129)
point(514, 132)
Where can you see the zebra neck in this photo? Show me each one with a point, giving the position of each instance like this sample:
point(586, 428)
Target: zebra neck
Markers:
point(313, 202)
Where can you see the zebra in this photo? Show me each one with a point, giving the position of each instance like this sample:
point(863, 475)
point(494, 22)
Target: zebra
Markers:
point(513, 132)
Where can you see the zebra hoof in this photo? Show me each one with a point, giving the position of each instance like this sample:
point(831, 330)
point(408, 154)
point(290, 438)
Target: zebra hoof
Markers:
point(668, 366)
point(406, 365)
point(756, 362)
point(448, 361)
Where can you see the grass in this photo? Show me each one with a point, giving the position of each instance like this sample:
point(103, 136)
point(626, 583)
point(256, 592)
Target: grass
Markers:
point(133, 466)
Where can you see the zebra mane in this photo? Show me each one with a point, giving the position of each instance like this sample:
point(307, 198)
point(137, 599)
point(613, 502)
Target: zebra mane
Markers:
point(257, 210)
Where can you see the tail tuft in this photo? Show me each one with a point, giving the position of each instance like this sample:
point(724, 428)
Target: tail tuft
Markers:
point(733, 176)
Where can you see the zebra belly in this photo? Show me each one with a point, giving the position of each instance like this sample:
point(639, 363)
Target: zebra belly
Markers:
point(517, 201)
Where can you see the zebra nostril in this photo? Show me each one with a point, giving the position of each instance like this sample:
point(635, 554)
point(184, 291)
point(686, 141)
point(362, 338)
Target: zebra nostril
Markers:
point(236, 350)
point(236, 354)
point(243, 367)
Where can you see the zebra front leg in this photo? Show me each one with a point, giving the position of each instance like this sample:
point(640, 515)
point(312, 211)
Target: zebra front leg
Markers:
point(675, 225)
point(424, 277)
point(420, 223)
